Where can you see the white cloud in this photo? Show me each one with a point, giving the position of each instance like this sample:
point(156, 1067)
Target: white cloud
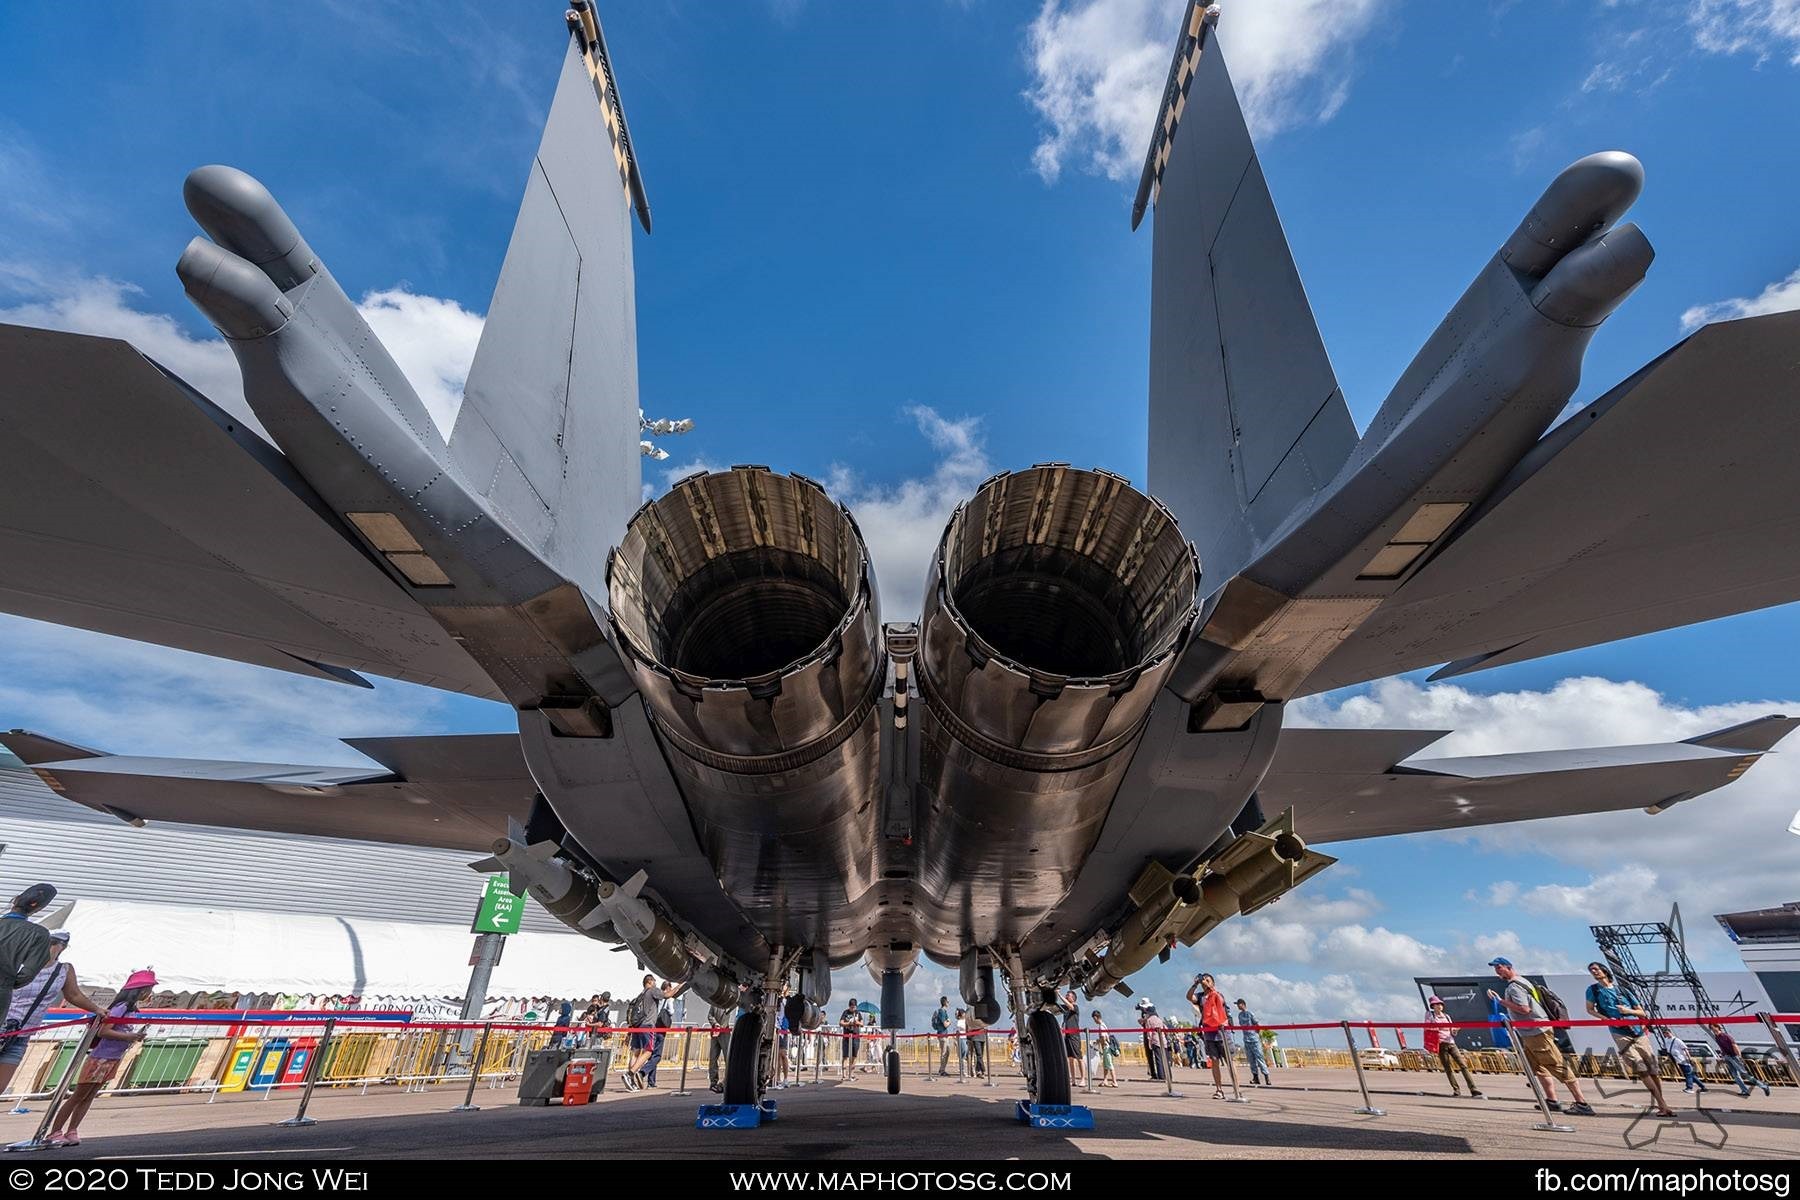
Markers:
point(1724, 850)
point(1382, 950)
point(1615, 896)
point(1761, 28)
point(1099, 66)
point(433, 340)
point(902, 523)
point(1781, 296)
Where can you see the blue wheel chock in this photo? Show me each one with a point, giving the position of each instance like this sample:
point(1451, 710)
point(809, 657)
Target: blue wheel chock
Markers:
point(1055, 1116)
point(734, 1116)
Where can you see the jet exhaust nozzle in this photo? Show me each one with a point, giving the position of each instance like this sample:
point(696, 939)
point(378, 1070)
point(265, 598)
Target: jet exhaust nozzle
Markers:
point(240, 214)
point(1595, 278)
point(1055, 608)
point(1586, 198)
point(235, 296)
point(746, 605)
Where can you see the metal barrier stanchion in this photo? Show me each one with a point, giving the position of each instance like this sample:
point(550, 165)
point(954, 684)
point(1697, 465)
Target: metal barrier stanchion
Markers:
point(468, 1104)
point(1547, 1125)
point(1781, 1044)
point(1168, 1064)
point(819, 1044)
point(312, 1078)
point(61, 1091)
point(687, 1040)
point(987, 1059)
point(1368, 1109)
point(1237, 1093)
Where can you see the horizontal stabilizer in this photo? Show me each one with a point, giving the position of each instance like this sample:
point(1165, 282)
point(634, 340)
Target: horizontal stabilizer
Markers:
point(1337, 794)
point(458, 793)
point(1670, 500)
point(132, 505)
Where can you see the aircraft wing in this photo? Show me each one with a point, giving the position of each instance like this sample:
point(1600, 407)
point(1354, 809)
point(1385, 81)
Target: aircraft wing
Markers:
point(1671, 499)
point(452, 792)
point(132, 505)
point(1357, 783)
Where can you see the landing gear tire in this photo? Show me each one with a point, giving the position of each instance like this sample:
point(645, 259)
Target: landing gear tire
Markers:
point(1052, 1075)
point(743, 1062)
point(893, 1072)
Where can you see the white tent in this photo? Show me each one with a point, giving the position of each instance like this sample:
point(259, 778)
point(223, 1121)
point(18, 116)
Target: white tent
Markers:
point(210, 949)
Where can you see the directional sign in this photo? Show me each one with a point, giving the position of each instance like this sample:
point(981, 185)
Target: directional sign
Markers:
point(500, 911)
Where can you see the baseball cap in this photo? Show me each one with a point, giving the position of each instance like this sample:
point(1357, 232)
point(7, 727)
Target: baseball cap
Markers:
point(34, 897)
point(60, 935)
point(1499, 962)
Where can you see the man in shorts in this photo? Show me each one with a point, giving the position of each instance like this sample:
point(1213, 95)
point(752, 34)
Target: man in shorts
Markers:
point(1071, 1031)
point(1539, 1045)
point(1638, 1054)
point(1209, 1004)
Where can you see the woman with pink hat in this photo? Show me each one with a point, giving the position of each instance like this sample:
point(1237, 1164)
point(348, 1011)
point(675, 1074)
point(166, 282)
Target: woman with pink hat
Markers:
point(103, 1058)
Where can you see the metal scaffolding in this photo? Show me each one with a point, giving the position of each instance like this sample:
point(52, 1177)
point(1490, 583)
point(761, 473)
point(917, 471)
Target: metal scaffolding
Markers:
point(1618, 946)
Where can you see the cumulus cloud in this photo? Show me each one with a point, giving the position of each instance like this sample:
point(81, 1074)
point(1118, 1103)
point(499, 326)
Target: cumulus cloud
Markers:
point(433, 340)
point(1781, 296)
point(1724, 850)
point(902, 522)
point(1098, 68)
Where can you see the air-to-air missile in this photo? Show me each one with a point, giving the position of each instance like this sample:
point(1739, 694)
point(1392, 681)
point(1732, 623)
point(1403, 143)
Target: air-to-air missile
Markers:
point(1254, 870)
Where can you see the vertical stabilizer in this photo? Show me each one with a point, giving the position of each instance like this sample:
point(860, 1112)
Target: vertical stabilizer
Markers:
point(548, 430)
point(1246, 420)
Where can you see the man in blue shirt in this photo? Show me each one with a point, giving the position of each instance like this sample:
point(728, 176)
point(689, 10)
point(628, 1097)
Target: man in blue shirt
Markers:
point(1253, 1050)
point(940, 1025)
point(1605, 999)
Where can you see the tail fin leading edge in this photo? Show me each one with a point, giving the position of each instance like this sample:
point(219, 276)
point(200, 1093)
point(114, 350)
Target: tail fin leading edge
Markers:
point(548, 430)
point(1246, 419)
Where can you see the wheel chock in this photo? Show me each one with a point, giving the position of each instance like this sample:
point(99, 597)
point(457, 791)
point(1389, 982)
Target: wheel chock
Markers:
point(1055, 1116)
point(734, 1116)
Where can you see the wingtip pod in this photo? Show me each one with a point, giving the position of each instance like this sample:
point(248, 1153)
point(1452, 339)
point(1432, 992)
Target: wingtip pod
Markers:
point(234, 294)
point(1586, 198)
point(240, 214)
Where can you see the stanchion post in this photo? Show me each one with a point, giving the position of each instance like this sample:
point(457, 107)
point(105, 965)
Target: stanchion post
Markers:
point(1781, 1044)
point(61, 1091)
point(1168, 1061)
point(987, 1059)
point(468, 1104)
point(1237, 1093)
point(1087, 1076)
point(687, 1040)
point(1547, 1125)
point(1368, 1108)
point(312, 1079)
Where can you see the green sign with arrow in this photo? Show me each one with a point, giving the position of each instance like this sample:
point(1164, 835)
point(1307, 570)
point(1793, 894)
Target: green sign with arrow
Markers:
point(500, 911)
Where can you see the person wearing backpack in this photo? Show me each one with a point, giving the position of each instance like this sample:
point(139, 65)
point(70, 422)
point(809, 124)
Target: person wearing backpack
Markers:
point(639, 1014)
point(55, 984)
point(940, 1025)
point(1544, 1060)
point(1608, 1001)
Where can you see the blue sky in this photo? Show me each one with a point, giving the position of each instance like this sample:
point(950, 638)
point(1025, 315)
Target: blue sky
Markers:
point(892, 250)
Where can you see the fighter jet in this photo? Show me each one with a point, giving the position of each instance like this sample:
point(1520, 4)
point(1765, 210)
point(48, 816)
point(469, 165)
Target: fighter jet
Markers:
point(1073, 758)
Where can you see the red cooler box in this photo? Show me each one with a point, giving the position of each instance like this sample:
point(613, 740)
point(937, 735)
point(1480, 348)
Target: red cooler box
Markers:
point(578, 1081)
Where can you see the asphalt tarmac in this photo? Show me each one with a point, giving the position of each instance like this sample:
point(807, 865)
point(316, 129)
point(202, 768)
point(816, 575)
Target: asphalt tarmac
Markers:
point(1308, 1114)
